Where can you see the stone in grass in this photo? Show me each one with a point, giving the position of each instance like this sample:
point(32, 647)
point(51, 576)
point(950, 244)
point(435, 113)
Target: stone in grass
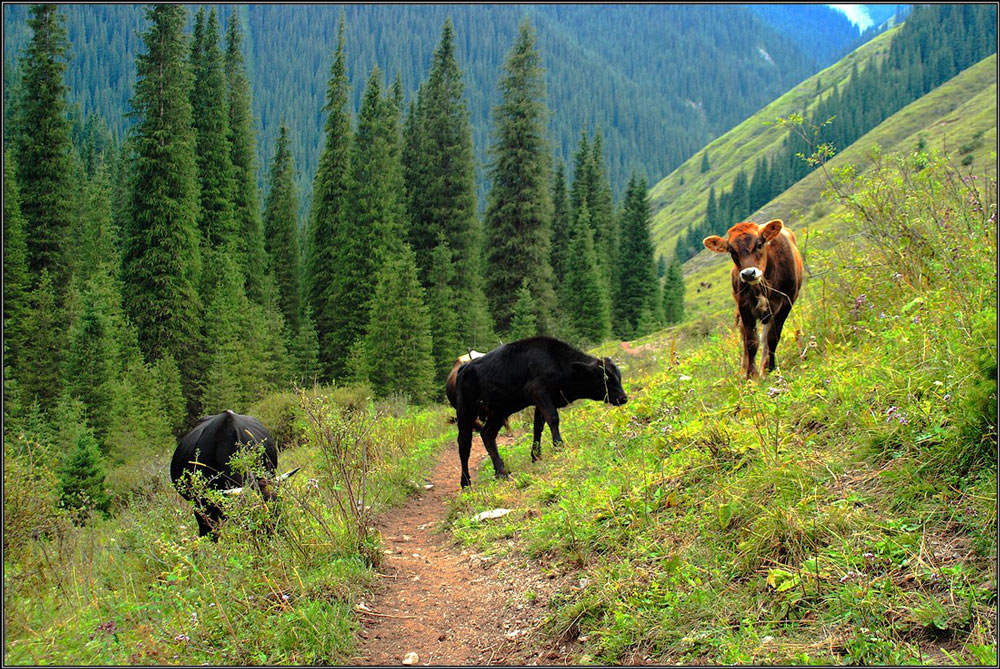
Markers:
point(491, 514)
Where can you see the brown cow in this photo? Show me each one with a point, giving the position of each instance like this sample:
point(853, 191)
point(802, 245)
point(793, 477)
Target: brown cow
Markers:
point(766, 278)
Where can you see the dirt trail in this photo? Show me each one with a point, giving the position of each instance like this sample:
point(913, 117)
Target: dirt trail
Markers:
point(450, 605)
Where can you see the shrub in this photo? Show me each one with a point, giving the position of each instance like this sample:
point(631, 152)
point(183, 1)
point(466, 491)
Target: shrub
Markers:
point(81, 479)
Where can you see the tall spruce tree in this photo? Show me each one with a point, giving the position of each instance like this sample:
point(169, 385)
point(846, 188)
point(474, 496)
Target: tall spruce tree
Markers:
point(637, 276)
point(441, 307)
point(37, 367)
point(216, 216)
point(304, 352)
point(228, 378)
point(602, 216)
point(42, 148)
point(519, 210)
point(375, 218)
point(673, 293)
point(16, 281)
point(439, 170)
point(328, 230)
point(94, 357)
point(397, 345)
point(243, 153)
point(561, 214)
point(585, 298)
point(161, 252)
point(99, 241)
point(281, 231)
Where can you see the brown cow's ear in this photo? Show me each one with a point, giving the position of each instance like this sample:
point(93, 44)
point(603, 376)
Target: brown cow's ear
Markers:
point(771, 229)
point(716, 243)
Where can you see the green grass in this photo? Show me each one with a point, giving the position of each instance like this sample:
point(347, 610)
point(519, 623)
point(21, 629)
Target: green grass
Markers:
point(840, 511)
point(141, 588)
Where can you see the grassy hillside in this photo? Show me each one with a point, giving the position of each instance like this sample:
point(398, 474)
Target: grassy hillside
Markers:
point(958, 119)
point(141, 587)
point(680, 198)
point(841, 511)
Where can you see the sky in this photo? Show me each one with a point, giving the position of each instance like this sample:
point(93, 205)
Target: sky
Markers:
point(857, 14)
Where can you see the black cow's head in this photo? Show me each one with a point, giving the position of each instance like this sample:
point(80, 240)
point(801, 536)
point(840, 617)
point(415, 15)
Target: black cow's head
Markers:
point(600, 380)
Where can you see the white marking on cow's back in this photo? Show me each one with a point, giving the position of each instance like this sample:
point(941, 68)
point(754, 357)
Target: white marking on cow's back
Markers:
point(471, 355)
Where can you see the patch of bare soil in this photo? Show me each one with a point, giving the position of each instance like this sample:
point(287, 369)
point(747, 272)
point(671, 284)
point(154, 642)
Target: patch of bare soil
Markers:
point(449, 605)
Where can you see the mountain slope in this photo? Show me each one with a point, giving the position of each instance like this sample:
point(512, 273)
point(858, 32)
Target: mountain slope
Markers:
point(679, 199)
point(958, 119)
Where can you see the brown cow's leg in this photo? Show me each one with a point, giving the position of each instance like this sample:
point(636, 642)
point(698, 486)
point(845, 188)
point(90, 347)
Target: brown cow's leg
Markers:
point(489, 436)
point(772, 335)
point(748, 332)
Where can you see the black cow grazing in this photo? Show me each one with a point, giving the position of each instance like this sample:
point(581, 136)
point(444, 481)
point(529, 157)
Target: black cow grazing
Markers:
point(539, 371)
point(208, 448)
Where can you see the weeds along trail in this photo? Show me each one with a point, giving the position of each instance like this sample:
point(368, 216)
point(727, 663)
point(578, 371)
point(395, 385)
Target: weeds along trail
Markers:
point(450, 606)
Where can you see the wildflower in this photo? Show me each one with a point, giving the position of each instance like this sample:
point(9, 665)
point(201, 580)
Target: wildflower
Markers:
point(947, 396)
point(183, 638)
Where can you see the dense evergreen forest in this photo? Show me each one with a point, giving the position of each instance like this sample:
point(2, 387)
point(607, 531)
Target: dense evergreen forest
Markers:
point(933, 45)
point(685, 74)
point(146, 286)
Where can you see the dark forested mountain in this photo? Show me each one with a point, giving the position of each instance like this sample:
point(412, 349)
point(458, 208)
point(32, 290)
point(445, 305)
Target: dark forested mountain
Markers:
point(819, 30)
point(659, 80)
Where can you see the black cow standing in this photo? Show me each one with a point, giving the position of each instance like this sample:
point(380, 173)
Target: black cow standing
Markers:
point(208, 448)
point(539, 371)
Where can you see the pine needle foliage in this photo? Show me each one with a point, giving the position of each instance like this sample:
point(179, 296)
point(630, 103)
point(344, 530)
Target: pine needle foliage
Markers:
point(328, 217)
point(41, 145)
point(243, 154)
point(519, 209)
point(161, 251)
point(281, 232)
point(397, 348)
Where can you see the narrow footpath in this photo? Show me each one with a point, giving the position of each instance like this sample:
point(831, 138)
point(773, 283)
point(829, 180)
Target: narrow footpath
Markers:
point(446, 604)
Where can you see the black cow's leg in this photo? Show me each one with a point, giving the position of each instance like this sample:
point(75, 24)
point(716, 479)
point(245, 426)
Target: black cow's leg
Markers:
point(547, 408)
point(209, 519)
point(465, 425)
point(489, 436)
point(536, 443)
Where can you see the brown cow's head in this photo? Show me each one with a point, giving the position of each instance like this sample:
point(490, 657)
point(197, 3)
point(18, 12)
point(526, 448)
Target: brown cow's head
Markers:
point(746, 243)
